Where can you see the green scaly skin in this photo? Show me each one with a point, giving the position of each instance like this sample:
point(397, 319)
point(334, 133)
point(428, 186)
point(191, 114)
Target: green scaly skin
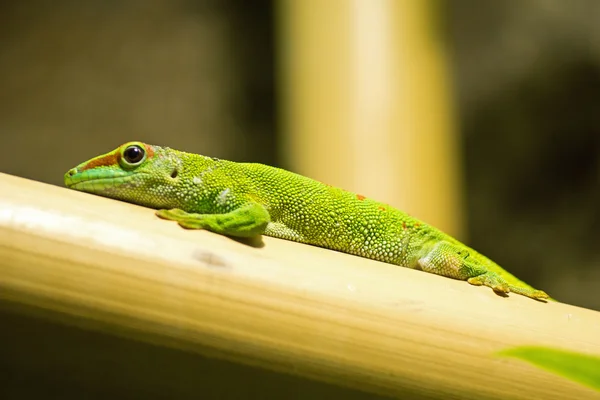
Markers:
point(245, 200)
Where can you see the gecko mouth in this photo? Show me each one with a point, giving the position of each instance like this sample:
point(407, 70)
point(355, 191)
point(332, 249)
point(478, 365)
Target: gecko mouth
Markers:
point(89, 183)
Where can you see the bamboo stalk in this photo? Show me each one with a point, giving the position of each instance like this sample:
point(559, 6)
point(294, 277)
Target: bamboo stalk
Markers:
point(282, 306)
point(366, 103)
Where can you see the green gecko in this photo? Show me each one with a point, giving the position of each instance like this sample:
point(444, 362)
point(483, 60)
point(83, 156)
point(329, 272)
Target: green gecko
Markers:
point(248, 199)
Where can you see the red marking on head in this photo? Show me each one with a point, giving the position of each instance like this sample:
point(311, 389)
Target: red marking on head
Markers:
point(360, 197)
point(417, 224)
point(149, 151)
point(382, 208)
point(403, 225)
point(106, 161)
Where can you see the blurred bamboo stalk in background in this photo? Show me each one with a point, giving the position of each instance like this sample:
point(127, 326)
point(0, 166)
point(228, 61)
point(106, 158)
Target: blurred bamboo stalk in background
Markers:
point(366, 103)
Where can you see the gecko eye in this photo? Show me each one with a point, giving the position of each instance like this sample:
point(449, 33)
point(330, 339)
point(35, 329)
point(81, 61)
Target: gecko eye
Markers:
point(134, 154)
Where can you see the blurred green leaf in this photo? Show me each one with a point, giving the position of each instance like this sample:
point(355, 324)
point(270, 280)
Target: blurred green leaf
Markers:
point(578, 367)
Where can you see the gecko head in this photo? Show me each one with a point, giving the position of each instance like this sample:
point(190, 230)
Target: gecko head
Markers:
point(134, 172)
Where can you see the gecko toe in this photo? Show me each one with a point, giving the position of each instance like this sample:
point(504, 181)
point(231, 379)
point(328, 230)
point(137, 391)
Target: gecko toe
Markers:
point(491, 280)
point(191, 223)
point(501, 288)
point(540, 294)
point(475, 281)
point(173, 214)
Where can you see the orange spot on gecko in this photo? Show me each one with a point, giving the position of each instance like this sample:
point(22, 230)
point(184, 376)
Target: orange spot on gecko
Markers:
point(382, 208)
point(105, 161)
point(417, 224)
point(403, 225)
point(360, 197)
point(149, 151)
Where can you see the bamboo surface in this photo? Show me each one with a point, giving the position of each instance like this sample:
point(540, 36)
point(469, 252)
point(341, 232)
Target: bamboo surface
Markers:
point(291, 308)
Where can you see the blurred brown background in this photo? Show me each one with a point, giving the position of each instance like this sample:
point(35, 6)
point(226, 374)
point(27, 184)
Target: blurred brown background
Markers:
point(522, 79)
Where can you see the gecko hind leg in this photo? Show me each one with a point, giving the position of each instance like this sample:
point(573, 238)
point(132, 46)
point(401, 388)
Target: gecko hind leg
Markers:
point(449, 260)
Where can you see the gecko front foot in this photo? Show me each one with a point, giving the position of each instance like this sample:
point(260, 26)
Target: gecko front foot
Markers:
point(248, 220)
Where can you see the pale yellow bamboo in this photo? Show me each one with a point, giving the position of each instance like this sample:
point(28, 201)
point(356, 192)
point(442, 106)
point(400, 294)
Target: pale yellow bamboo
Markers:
point(366, 105)
point(284, 306)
